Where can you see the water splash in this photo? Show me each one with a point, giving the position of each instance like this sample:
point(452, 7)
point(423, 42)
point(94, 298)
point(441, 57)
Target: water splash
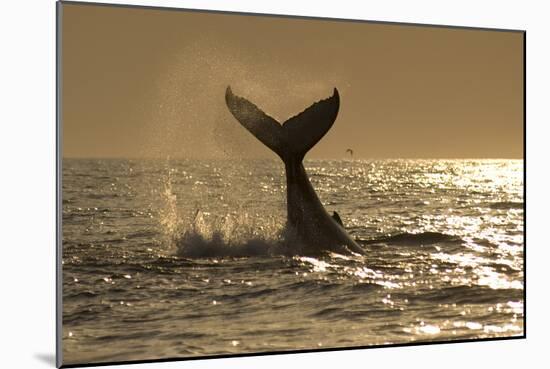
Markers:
point(233, 236)
point(169, 217)
point(199, 233)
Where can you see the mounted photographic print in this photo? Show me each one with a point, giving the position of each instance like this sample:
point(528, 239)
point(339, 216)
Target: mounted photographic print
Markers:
point(240, 184)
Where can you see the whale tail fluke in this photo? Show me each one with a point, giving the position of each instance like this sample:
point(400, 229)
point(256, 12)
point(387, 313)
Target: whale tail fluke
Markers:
point(297, 135)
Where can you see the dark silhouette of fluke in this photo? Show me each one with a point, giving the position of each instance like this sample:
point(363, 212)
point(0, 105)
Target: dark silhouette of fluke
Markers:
point(307, 219)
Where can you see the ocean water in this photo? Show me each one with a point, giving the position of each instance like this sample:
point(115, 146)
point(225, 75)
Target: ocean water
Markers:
point(182, 258)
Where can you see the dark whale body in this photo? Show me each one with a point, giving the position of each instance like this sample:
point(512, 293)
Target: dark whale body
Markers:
point(307, 220)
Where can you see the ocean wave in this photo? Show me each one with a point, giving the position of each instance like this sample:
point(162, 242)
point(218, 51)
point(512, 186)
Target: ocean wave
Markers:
point(413, 239)
point(506, 205)
point(465, 294)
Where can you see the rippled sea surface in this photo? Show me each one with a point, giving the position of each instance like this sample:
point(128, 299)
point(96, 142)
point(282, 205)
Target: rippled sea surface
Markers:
point(183, 258)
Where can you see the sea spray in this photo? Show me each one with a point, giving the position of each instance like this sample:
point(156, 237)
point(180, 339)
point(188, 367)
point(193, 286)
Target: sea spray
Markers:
point(168, 217)
point(230, 236)
point(230, 232)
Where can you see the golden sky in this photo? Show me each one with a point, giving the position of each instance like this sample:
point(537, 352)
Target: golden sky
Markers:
point(142, 82)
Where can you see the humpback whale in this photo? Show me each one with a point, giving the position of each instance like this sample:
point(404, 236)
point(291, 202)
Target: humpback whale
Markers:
point(308, 222)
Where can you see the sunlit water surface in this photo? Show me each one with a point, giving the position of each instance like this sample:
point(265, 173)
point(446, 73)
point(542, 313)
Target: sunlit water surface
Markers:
point(184, 258)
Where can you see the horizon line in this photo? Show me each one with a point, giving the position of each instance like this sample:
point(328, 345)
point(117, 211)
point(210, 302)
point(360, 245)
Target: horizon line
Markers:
point(275, 158)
